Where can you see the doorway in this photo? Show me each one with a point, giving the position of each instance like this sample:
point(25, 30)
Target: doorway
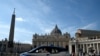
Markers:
point(73, 48)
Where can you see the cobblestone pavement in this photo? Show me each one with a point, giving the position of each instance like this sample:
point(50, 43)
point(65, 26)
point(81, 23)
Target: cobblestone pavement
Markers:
point(9, 54)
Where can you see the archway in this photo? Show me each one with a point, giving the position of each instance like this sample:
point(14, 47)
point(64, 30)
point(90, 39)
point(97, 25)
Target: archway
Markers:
point(73, 48)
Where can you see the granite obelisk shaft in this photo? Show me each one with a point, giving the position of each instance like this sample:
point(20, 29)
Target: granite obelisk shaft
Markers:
point(11, 34)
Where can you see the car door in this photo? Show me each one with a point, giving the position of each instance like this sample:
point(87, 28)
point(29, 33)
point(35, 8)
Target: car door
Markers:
point(58, 52)
point(40, 52)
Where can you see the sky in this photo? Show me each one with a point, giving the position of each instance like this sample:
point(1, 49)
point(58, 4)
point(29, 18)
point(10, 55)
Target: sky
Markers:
point(41, 16)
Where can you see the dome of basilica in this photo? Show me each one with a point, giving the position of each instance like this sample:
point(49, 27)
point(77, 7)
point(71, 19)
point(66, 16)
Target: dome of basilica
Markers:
point(56, 31)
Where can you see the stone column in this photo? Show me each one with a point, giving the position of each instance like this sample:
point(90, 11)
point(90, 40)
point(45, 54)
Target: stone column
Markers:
point(94, 46)
point(87, 48)
point(83, 47)
point(70, 47)
point(97, 49)
point(76, 49)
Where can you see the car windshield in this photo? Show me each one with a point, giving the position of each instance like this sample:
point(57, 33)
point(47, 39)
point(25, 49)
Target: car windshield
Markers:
point(36, 50)
point(45, 48)
point(32, 50)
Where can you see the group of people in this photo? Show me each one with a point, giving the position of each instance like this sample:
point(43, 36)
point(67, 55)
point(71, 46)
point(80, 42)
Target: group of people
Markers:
point(83, 54)
point(43, 51)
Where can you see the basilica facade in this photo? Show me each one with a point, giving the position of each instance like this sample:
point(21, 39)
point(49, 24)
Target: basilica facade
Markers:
point(55, 38)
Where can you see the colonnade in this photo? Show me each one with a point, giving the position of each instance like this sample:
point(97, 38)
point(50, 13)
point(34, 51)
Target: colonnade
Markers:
point(84, 47)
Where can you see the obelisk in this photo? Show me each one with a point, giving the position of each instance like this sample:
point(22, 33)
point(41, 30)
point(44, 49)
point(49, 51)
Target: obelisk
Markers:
point(11, 33)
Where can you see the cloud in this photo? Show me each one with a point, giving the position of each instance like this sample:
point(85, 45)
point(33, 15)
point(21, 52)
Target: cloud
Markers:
point(71, 30)
point(90, 26)
point(23, 30)
point(4, 31)
point(22, 34)
point(81, 18)
point(4, 26)
point(45, 8)
point(20, 19)
point(48, 30)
